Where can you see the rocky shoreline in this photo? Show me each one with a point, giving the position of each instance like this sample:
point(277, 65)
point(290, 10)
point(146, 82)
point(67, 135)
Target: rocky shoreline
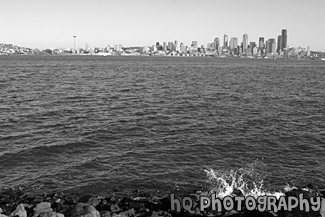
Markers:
point(15, 202)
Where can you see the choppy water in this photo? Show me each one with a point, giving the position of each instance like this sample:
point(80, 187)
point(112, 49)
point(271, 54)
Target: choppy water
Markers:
point(96, 124)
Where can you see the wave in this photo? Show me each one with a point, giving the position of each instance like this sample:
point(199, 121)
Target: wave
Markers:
point(42, 154)
point(247, 180)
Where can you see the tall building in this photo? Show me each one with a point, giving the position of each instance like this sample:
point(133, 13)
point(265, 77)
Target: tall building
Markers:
point(284, 39)
point(194, 45)
point(271, 46)
point(245, 43)
point(164, 46)
point(170, 46)
point(225, 41)
point(266, 47)
point(261, 43)
point(182, 48)
point(234, 45)
point(209, 45)
point(252, 45)
point(216, 43)
point(176, 46)
point(279, 47)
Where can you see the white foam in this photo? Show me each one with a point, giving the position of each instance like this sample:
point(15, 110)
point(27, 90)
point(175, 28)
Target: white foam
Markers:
point(246, 179)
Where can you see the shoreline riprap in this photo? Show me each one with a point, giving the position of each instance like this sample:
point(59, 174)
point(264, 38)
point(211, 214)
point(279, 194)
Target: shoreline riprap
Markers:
point(16, 202)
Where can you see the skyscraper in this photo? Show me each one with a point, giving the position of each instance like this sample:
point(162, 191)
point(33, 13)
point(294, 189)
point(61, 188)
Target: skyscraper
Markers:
point(261, 43)
point(271, 46)
point(182, 48)
point(176, 46)
point(164, 46)
point(233, 45)
point(245, 43)
point(279, 47)
point(225, 41)
point(194, 45)
point(216, 43)
point(284, 38)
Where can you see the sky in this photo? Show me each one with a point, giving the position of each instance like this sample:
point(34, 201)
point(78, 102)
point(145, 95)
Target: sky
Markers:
point(98, 23)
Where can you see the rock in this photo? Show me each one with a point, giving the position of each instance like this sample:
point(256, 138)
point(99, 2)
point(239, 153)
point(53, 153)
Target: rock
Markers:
point(2, 215)
point(59, 215)
point(160, 213)
point(103, 205)
point(42, 207)
point(256, 213)
point(230, 213)
point(115, 208)
point(165, 204)
point(138, 205)
point(51, 214)
point(84, 199)
point(93, 201)
point(127, 213)
point(85, 210)
point(124, 204)
point(237, 192)
point(105, 214)
point(19, 211)
point(89, 199)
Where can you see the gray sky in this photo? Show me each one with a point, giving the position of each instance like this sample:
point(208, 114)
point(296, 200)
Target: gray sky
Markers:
point(52, 23)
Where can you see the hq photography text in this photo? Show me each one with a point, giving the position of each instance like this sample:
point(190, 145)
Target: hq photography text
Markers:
point(237, 203)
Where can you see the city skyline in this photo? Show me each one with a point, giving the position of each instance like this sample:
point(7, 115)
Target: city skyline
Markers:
point(46, 24)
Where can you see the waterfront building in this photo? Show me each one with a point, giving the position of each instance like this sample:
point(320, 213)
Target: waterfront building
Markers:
point(233, 44)
point(271, 46)
point(261, 43)
point(225, 41)
point(245, 43)
point(209, 46)
point(216, 43)
point(194, 45)
point(176, 47)
point(308, 52)
point(118, 48)
point(255, 51)
point(252, 45)
point(164, 46)
point(284, 39)
point(182, 48)
point(170, 46)
point(279, 45)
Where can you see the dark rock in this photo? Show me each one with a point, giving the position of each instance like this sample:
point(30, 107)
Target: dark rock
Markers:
point(84, 199)
point(93, 201)
point(42, 207)
point(84, 210)
point(51, 214)
point(256, 213)
point(237, 192)
point(138, 205)
point(115, 208)
point(164, 204)
point(103, 205)
point(105, 214)
point(160, 213)
point(124, 204)
point(127, 213)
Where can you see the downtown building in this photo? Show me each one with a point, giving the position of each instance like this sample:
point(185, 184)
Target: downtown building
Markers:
point(245, 43)
point(284, 39)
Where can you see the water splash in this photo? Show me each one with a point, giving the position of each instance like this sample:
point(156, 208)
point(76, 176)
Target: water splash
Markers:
point(248, 179)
